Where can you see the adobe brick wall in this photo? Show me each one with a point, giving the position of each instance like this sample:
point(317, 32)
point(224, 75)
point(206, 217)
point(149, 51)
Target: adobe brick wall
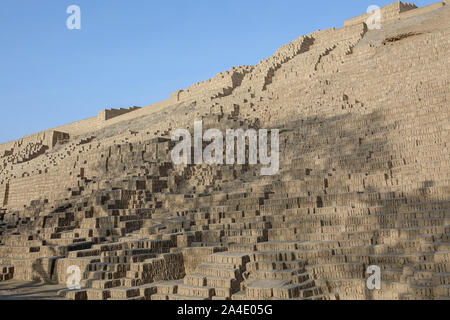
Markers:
point(389, 13)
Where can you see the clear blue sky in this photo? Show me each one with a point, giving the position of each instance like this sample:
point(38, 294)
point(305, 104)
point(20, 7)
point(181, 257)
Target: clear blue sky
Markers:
point(137, 52)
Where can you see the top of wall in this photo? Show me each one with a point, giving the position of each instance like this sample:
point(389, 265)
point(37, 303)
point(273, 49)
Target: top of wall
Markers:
point(394, 11)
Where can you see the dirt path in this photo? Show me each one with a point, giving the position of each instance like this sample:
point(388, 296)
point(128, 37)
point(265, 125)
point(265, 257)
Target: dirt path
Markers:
point(19, 290)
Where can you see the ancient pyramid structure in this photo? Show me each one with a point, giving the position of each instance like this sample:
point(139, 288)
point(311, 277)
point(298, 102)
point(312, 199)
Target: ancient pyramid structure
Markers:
point(364, 125)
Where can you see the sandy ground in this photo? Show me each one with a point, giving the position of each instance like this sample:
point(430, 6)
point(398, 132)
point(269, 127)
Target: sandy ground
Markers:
point(20, 290)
